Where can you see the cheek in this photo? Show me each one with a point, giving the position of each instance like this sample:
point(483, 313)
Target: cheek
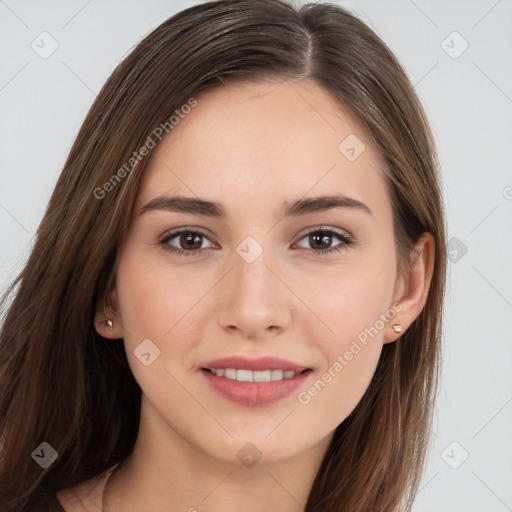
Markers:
point(347, 299)
point(337, 388)
point(155, 298)
point(154, 302)
point(350, 352)
point(161, 303)
point(353, 304)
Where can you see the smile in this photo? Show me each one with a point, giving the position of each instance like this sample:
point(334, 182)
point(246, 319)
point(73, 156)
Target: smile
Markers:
point(243, 387)
point(254, 376)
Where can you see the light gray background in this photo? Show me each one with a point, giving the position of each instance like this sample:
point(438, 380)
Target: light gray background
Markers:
point(469, 102)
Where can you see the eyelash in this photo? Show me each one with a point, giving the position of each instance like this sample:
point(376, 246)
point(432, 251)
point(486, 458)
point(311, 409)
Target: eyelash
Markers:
point(345, 238)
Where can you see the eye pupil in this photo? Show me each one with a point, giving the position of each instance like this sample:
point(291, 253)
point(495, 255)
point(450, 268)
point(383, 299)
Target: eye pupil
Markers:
point(315, 238)
point(188, 240)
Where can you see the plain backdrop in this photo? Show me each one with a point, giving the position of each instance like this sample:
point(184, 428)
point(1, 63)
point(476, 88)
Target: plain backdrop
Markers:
point(458, 55)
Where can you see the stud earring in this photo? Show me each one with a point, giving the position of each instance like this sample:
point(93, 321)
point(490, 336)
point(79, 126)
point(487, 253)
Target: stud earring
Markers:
point(398, 327)
point(108, 322)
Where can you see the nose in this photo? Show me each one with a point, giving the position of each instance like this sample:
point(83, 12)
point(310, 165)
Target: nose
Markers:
point(254, 302)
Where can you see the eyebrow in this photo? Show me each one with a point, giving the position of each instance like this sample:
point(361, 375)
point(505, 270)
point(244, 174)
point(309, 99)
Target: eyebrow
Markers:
point(196, 206)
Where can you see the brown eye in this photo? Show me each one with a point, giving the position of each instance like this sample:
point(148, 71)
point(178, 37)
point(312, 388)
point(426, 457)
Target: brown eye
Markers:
point(188, 242)
point(321, 241)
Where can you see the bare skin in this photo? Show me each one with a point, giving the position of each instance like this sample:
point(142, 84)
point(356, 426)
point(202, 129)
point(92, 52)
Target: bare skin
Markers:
point(254, 148)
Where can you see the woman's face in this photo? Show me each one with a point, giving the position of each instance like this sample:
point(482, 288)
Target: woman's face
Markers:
point(194, 286)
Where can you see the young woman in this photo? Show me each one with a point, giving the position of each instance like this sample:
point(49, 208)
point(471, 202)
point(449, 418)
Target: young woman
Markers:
point(234, 299)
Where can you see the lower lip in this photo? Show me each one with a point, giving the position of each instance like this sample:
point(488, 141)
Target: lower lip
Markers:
point(254, 393)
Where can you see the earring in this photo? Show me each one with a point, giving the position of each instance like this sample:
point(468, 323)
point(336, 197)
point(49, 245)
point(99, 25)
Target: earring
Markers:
point(108, 322)
point(398, 327)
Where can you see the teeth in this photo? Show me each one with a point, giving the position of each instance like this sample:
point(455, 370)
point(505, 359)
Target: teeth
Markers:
point(262, 376)
point(250, 376)
point(229, 373)
point(276, 374)
point(245, 376)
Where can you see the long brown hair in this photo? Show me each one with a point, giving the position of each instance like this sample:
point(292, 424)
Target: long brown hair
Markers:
point(62, 383)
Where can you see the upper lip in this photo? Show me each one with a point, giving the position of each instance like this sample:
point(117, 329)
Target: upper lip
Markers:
point(254, 364)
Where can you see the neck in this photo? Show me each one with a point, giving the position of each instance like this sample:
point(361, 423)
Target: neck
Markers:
point(166, 473)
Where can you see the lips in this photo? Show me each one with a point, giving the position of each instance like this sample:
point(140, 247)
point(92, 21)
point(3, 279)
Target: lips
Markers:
point(254, 364)
point(261, 381)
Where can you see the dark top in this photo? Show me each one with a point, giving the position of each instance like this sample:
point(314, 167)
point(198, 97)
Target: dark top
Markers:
point(47, 501)
point(43, 502)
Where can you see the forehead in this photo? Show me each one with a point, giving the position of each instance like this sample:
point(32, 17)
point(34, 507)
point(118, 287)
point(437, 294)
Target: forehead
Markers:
point(275, 140)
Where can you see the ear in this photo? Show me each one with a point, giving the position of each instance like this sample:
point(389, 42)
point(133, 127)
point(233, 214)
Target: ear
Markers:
point(412, 289)
point(107, 309)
